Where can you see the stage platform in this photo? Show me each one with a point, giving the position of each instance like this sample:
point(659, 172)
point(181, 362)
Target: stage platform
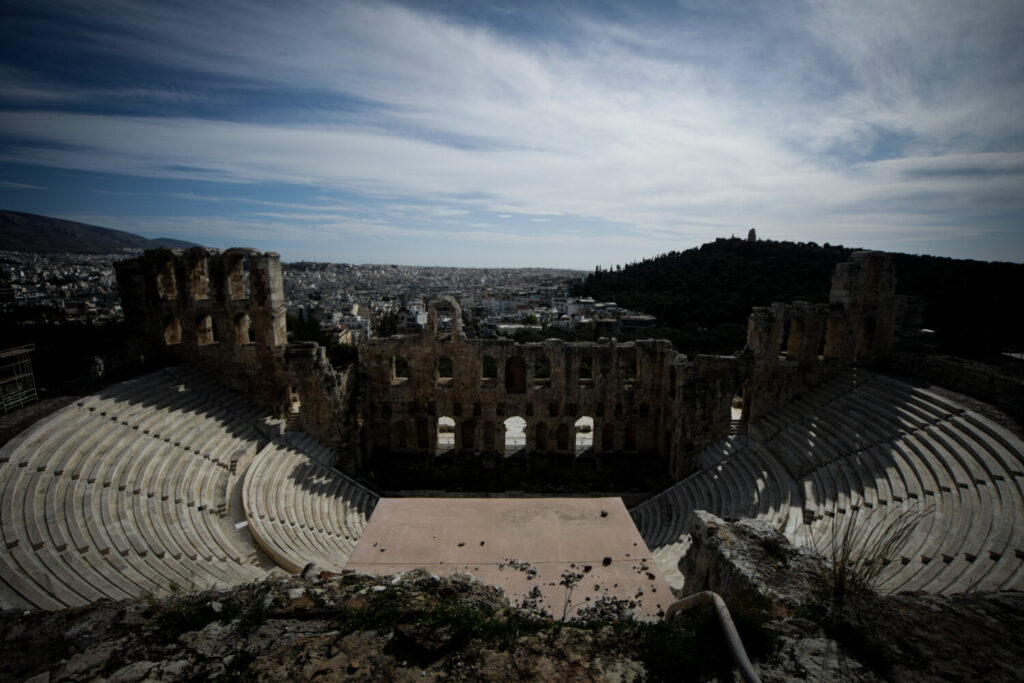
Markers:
point(519, 544)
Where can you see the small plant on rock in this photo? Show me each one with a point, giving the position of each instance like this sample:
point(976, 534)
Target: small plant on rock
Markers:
point(860, 549)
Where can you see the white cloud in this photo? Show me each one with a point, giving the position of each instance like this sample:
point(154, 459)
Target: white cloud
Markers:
point(864, 113)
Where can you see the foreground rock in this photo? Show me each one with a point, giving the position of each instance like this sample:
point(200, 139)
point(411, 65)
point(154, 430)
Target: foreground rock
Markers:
point(415, 626)
point(410, 627)
point(903, 637)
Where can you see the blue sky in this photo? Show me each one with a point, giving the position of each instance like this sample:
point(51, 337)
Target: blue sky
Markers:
point(566, 134)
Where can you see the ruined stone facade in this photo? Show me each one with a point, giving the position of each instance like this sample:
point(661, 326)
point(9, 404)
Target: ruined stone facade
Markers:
point(617, 396)
point(438, 407)
point(224, 312)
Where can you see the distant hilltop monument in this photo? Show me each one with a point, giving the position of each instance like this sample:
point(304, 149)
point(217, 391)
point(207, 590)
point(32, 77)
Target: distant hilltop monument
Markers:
point(752, 235)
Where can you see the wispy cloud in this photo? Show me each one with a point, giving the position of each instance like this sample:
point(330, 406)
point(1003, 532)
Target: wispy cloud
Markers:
point(19, 186)
point(806, 121)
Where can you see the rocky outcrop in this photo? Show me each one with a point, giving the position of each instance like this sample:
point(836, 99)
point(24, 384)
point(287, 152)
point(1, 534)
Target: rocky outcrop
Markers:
point(747, 560)
point(870, 637)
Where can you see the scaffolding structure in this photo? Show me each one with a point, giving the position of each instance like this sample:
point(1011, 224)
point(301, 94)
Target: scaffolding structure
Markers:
point(17, 381)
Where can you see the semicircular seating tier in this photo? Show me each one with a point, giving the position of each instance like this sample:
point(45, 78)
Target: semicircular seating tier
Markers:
point(317, 518)
point(129, 491)
point(860, 451)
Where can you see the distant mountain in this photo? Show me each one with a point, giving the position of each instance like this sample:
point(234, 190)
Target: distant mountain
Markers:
point(41, 234)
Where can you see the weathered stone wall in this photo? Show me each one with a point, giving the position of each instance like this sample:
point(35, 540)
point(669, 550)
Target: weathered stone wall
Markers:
point(652, 410)
point(625, 389)
point(802, 344)
point(224, 312)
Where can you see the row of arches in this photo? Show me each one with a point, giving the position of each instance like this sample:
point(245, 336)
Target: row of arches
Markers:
point(206, 331)
point(238, 279)
point(515, 371)
point(516, 435)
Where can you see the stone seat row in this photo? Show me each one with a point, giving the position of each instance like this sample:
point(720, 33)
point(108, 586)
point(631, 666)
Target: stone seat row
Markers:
point(300, 510)
point(955, 465)
point(179, 405)
point(748, 482)
point(973, 524)
point(95, 508)
point(862, 453)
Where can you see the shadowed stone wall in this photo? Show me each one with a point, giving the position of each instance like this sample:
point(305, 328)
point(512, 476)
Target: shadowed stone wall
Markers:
point(434, 409)
point(224, 312)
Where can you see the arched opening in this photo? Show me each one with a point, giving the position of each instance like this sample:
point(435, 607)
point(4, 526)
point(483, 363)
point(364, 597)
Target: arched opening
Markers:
point(627, 370)
point(488, 372)
point(489, 437)
point(586, 371)
point(865, 340)
point(736, 408)
point(244, 334)
point(515, 435)
point(172, 330)
point(198, 277)
point(795, 346)
point(401, 435)
point(469, 435)
point(835, 337)
point(166, 285)
point(292, 401)
point(205, 333)
point(399, 370)
point(422, 434)
point(562, 437)
point(238, 279)
point(445, 434)
point(584, 429)
point(444, 319)
point(515, 375)
point(542, 372)
point(608, 438)
point(630, 437)
point(540, 437)
point(444, 371)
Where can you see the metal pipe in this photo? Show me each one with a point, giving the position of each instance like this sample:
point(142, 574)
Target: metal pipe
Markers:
point(732, 637)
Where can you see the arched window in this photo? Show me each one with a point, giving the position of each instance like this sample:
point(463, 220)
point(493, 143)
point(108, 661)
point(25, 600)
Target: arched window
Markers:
point(608, 438)
point(562, 437)
point(445, 435)
point(399, 370)
point(627, 369)
point(172, 330)
point(515, 435)
point(468, 435)
point(515, 375)
point(244, 334)
point(542, 372)
point(401, 435)
point(205, 333)
point(540, 437)
point(584, 429)
point(444, 371)
point(166, 284)
point(586, 371)
point(422, 431)
point(488, 372)
point(238, 278)
point(489, 437)
point(198, 277)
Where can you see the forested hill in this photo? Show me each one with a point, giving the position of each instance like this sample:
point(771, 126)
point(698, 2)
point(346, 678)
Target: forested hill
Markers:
point(703, 296)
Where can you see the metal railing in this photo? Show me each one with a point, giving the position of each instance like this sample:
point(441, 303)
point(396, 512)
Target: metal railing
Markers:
point(732, 637)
